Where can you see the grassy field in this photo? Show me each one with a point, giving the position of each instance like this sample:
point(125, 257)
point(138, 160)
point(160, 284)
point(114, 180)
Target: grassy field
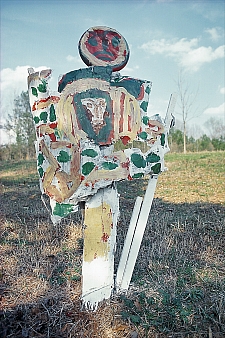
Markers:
point(178, 285)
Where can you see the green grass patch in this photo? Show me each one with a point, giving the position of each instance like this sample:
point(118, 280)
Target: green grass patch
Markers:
point(13, 173)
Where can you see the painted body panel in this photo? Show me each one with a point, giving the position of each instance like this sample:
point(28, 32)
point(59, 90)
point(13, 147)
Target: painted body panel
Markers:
point(93, 132)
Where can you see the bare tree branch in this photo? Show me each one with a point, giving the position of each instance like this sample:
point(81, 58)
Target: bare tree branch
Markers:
point(186, 103)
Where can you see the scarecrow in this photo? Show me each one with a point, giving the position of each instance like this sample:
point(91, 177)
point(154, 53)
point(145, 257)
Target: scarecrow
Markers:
point(94, 132)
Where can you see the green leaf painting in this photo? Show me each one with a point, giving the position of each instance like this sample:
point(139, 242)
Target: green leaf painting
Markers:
point(36, 119)
point(87, 168)
point(34, 91)
point(156, 168)
point(62, 209)
point(138, 160)
point(109, 165)
point(41, 172)
point(163, 139)
point(144, 105)
point(148, 90)
point(143, 135)
point(44, 116)
point(89, 152)
point(145, 120)
point(138, 175)
point(52, 116)
point(42, 87)
point(63, 156)
point(40, 159)
point(152, 158)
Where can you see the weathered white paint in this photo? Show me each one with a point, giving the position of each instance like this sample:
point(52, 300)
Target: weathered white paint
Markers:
point(98, 257)
point(123, 283)
point(128, 241)
point(97, 282)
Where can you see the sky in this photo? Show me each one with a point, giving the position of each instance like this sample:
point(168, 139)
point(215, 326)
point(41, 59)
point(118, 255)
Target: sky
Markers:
point(165, 37)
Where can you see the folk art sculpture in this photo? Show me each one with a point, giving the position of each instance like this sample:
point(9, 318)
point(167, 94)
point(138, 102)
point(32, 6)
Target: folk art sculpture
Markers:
point(94, 132)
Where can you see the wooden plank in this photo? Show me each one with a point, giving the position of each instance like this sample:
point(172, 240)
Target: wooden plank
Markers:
point(169, 118)
point(138, 234)
point(128, 241)
point(100, 220)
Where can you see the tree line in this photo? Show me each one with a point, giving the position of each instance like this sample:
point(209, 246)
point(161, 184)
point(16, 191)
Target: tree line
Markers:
point(20, 129)
point(203, 143)
point(21, 146)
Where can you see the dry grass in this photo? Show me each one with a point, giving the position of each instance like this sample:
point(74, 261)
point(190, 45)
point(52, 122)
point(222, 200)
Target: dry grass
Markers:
point(178, 286)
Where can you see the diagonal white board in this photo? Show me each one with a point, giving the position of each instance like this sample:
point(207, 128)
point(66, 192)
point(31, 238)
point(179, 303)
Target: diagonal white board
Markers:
point(134, 236)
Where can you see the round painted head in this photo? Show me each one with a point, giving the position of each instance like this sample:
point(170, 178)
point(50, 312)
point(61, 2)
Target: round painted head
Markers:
point(104, 46)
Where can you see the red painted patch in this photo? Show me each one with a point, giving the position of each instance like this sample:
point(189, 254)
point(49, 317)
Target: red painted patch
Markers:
point(129, 123)
point(50, 99)
point(152, 125)
point(142, 93)
point(100, 44)
point(52, 137)
point(53, 125)
point(34, 106)
point(38, 132)
point(122, 98)
point(53, 99)
point(125, 164)
point(105, 237)
point(125, 139)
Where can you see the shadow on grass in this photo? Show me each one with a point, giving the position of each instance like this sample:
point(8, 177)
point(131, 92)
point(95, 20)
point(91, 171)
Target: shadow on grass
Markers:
point(178, 284)
point(177, 288)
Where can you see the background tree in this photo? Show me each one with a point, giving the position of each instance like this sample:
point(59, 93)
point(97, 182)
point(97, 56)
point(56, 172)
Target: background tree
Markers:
point(219, 143)
point(205, 143)
point(186, 101)
point(216, 127)
point(176, 140)
point(21, 123)
point(201, 143)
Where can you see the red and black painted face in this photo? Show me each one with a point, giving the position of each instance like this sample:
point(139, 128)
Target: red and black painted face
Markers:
point(104, 45)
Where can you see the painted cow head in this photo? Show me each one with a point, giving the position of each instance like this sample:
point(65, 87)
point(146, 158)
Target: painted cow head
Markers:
point(95, 109)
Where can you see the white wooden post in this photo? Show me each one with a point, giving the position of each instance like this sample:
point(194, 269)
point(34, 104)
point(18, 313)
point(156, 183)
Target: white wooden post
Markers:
point(128, 240)
point(134, 236)
point(100, 221)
